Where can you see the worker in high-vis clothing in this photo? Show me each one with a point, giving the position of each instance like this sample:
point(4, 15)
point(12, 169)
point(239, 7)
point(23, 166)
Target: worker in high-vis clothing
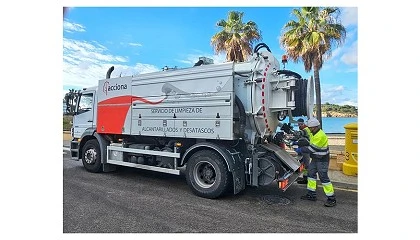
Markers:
point(303, 135)
point(320, 154)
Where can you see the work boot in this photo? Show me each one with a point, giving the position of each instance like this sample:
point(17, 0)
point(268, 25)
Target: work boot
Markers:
point(303, 180)
point(308, 197)
point(331, 202)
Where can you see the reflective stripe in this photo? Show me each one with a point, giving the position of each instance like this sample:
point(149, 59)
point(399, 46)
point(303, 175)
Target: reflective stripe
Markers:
point(317, 152)
point(328, 189)
point(319, 149)
point(321, 153)
point(316, 148)
point(311, 184)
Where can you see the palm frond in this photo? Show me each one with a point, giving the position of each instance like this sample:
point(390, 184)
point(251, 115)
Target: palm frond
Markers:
point(236, 37)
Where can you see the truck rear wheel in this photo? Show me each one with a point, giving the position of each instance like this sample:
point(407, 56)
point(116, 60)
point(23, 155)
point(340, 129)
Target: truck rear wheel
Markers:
point(91, 156)
point(207, 174)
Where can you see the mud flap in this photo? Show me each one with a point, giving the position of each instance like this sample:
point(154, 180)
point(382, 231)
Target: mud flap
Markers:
point(294, 170)
point(106, 167)
point(238, 171)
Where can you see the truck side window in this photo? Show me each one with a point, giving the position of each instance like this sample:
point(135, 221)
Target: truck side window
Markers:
point(85, 103)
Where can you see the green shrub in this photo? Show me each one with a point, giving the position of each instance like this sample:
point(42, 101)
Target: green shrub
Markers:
point(66, 122)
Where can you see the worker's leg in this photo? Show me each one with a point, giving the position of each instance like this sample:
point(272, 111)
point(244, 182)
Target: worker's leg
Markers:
point(305, 161)
point(327, 186)
point(311, 186)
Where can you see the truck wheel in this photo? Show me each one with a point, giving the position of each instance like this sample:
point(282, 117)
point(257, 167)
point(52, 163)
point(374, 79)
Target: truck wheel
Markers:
point(207, 174)
point(91, 156)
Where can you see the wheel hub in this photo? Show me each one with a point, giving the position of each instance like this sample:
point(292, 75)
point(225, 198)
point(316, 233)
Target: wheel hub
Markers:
point(204, 174)
point(208, 173)
point(90, 156)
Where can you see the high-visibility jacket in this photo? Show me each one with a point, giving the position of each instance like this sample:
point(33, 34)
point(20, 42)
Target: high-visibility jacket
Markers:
point(318, 146)
point(307, 133)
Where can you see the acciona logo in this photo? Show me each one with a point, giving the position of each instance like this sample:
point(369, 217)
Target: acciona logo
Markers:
point(108, 88)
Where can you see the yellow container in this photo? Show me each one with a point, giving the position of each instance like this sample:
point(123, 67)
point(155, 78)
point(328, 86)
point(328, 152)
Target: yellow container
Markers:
point(350, 163)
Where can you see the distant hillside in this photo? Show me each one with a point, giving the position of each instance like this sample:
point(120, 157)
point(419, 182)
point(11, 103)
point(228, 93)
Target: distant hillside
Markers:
point(334, 110)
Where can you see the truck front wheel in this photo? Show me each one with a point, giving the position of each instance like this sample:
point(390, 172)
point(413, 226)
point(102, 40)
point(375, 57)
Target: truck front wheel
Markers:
point(207, 174)
point(91, 156)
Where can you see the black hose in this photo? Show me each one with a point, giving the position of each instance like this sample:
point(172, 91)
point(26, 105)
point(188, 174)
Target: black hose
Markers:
point(199, 63)
point(240, 74)
point(242, 116)
point(289, 73)
point(261, 45)
point(108, 74)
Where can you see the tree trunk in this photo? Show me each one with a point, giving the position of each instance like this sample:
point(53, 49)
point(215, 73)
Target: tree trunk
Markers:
point(318, 95)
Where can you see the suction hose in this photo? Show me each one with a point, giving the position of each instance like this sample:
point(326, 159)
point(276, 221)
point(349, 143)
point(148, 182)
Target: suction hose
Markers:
point(261, 45)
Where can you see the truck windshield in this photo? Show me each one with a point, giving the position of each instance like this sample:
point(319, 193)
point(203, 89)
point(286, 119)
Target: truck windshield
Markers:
point(85, 103)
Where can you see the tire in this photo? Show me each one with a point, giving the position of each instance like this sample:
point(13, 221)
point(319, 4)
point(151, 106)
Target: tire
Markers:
point(91, 156)
point(207, 174)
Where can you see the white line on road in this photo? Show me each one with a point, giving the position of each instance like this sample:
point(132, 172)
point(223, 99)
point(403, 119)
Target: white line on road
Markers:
point(66, 149)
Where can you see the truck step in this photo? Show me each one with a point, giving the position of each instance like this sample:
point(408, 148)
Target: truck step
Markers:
point(147, 167)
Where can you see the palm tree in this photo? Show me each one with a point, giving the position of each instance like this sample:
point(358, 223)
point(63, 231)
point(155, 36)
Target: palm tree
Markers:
point(235, 38)
point(311, 38)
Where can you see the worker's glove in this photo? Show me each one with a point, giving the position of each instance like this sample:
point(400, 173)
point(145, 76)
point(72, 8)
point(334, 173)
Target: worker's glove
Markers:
point(302, 142)
point(298, 150)
point(287, 128)
point(297, 133)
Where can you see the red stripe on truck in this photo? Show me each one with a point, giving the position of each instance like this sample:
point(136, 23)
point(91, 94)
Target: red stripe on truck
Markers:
point(113, 112)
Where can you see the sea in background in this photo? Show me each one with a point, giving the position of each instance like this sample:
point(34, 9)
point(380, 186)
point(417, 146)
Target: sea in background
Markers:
point(330, 124)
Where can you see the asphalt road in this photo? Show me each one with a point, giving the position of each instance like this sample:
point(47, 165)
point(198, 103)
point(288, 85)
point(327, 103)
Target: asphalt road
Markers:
point(140, 201)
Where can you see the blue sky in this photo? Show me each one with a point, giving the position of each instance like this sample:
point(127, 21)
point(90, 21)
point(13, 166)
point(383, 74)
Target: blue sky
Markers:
point(144, 39)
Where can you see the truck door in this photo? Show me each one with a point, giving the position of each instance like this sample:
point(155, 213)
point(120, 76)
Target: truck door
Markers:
point(85, 113)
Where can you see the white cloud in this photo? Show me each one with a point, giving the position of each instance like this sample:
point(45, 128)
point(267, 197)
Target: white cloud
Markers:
point(336, 52)
point(349, 16)
point(84, 63)
point(348, 102)
point(338, 94)
point(349, 56)
point(191, 59)
point(135, 44)
point(73, 27)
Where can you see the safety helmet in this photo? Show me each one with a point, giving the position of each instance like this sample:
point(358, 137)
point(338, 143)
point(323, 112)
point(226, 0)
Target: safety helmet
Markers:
point(312, 122)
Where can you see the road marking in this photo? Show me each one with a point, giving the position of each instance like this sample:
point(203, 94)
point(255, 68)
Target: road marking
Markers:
point(66, 149)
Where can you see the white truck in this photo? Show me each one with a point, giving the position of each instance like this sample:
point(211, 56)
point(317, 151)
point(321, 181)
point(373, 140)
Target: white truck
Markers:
point(215, 123)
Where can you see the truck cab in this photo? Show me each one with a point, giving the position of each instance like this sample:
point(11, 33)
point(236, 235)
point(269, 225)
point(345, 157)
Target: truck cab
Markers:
point(84, 117)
